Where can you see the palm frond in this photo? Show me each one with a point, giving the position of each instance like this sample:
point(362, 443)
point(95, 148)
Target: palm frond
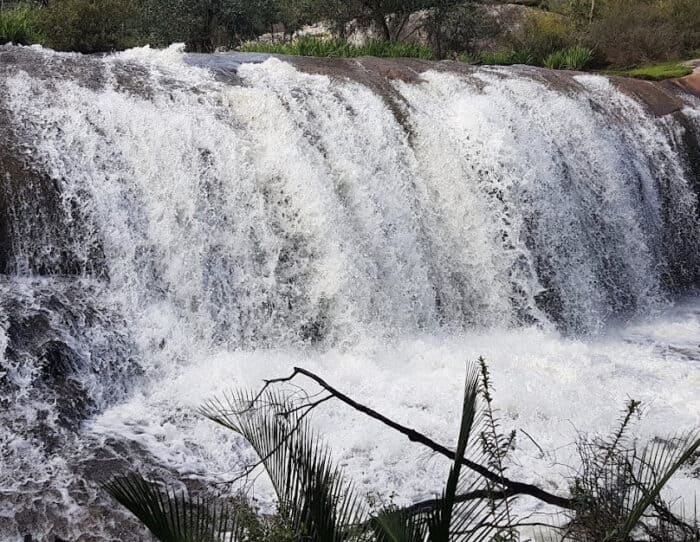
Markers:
point(399, 525)
point(172, 516)
point(442, 518)
point(314, 497)
point(476, 520)
point(658, 462)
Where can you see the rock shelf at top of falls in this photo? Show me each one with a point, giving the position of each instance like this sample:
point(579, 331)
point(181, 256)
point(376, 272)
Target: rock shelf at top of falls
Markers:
point(172, 224)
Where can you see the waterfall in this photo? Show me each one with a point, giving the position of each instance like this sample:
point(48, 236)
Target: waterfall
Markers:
point(161, 209)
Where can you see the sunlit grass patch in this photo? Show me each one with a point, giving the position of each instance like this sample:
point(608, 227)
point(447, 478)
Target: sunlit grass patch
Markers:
point(655, 72)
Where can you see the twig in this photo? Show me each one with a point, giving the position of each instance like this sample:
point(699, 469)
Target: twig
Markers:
point(533, 441)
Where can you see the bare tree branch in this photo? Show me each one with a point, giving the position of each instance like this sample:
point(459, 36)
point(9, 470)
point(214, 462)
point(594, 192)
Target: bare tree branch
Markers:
point(511, 487)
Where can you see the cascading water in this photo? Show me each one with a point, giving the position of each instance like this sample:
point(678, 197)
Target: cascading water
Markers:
point(177, 225)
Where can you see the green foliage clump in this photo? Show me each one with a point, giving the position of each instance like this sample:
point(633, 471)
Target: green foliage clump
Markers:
point(574, 58)
point(506, 57)
point(555, 61)
point(578, 58)
point(18, 25)
point(311, 46)
point(542, 34)
point(206, 25)
point(467, 58)
point(89, 26)
point(630, 33)
point(458, 28)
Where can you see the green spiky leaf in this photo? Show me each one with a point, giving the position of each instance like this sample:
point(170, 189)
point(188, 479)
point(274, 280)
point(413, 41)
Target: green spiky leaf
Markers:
point(172, 516)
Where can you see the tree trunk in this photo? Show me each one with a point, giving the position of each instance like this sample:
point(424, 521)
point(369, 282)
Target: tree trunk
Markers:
point(380, 19)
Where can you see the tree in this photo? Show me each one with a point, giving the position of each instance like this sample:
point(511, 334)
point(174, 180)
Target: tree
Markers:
point(388, 17)
point(205, 25)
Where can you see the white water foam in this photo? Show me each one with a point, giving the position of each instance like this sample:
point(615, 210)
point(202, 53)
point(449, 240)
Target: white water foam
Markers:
point(546, 385)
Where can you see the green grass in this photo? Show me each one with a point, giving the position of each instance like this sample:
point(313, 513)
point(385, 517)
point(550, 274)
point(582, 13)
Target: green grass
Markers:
point(655, 72)
point(309, 46)
point(578, 58)
point(555, 61)
point(16, 26)
point(506, 57)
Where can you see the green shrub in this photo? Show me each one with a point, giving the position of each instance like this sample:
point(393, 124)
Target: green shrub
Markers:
point(467, 58)
point(17, 26)
point(458, 28)
point(634, 32)
point(632, 35)
point(207, 25)
point(555, 61)
point(311, 46)
point(578, 58)
point(542, 34)
point(89, 26)
point(685, 18)
point(574, 58)
point(506, 57)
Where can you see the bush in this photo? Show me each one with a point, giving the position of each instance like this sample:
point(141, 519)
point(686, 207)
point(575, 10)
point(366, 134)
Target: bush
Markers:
point(17, 26)
point(310, 46)
point(542, 34)
point(634, 32)
point(207, 25)
point(506, 57)
point(555, 61)
point(89, 26)
point(459, 28)
point(685, 18)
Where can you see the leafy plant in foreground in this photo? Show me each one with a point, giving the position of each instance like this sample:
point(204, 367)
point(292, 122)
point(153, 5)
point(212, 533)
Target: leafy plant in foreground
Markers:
point(618, 492)
point(615, 496)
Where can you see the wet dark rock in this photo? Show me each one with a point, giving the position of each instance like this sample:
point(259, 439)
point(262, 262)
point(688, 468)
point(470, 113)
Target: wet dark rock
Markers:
point(39, 233)
point(58, 361)
point(60, 365)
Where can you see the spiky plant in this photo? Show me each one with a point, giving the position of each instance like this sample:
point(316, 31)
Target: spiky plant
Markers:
point(316, 504)
point(315, 498)
point(17, 25)
point(618, 492)
point(578, 58)
point(555, 61)
point(173, 516)
point(458, 515)
point(616, 495)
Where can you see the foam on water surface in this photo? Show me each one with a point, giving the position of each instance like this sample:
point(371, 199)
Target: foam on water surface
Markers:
point(549, 386)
